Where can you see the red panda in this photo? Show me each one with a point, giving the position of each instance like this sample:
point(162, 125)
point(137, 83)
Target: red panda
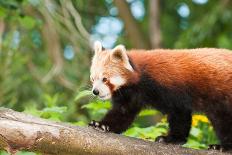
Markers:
point(176, 82)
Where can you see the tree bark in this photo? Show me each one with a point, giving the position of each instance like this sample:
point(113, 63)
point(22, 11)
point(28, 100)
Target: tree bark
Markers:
point(20, 131)
point(154, 23)
point(135, 34)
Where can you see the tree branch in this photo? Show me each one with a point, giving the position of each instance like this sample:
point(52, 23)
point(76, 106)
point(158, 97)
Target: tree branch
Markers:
point(20, 131)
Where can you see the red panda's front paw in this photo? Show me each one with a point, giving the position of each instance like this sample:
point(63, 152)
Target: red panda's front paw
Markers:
point(99, 126)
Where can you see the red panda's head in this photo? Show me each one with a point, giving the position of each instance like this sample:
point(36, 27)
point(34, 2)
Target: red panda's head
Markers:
point(110, 70)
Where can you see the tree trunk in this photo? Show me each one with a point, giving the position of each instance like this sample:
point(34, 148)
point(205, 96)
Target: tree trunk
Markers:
point(135, 34)
point(154, 23)
point(20, 131)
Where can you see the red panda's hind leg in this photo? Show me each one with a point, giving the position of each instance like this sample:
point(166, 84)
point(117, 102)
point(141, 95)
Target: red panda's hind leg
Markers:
point(222, 123)
point(179, 127)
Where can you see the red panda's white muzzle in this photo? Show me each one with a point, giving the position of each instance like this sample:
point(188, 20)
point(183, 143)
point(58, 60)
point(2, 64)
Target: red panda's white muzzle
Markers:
point(101, 90)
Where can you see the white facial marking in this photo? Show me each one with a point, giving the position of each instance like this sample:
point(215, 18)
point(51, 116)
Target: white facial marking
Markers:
point(129, 67)
point(117, 81)
point(104, 91)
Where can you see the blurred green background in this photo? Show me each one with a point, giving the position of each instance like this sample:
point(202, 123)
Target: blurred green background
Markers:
point(45, 53)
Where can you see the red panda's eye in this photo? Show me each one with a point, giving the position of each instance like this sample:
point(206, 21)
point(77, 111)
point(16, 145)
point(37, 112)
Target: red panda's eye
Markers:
point(104, 79)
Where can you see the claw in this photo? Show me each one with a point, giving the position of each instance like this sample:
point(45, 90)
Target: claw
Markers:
point(98, 126)
point(92, 123)
point(103, 127)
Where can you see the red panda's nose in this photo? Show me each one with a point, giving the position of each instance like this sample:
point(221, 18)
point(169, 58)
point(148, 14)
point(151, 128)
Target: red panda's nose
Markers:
point(95, 92)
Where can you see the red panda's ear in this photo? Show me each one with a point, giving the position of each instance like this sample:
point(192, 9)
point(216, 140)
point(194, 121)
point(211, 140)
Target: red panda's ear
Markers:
point(97, 47)
point(118, 54)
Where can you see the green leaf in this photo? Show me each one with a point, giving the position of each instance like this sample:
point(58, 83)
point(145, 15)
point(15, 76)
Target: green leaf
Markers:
point(195, 132)
point(148, 112)
point(32, 109)
point(82, 94)
point(53, 113)
point(59, 110)
point(50, 101)
point(194, 144)
point(149, 133)
point(97, 105)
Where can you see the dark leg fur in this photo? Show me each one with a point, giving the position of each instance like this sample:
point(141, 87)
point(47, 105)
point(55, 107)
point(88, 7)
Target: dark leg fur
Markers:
point(118, 119)
point(222, 123)
point(179, 127)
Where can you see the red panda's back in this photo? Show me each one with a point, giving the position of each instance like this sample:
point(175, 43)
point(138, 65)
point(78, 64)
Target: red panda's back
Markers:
point(207, 70)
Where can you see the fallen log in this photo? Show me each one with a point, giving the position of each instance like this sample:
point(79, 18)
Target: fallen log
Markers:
point(19, 131)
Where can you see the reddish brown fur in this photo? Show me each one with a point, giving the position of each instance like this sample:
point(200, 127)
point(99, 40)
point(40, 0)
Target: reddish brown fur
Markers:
point(110, 85)
point(210, 70)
